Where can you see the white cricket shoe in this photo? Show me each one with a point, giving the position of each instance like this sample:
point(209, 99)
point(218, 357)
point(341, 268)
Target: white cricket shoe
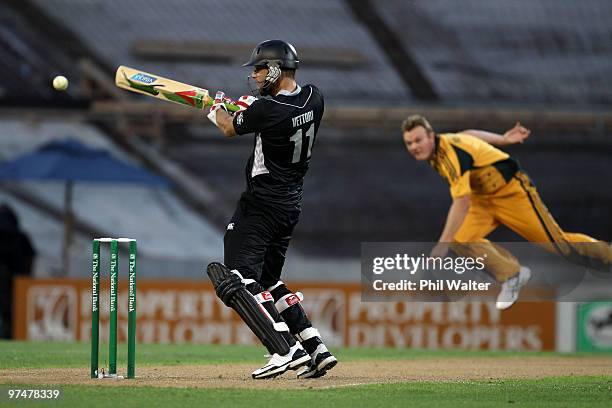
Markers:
point(321, 362)
point(277, 365)
point(510, 289)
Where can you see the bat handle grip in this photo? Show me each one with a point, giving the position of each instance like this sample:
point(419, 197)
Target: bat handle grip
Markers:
point(230, 106)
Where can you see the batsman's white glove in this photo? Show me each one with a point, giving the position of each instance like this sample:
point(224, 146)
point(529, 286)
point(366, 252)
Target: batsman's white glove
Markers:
point(219, 103)
point(245, 101)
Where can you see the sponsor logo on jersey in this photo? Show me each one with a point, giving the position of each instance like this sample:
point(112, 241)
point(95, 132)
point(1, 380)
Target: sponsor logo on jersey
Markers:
point(239, 119)
point(230, 226)
point(144, 78)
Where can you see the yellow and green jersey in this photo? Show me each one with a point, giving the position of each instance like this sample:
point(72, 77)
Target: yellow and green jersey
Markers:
point(471, 165)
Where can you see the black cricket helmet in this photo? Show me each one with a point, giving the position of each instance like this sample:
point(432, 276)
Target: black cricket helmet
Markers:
point(274, 53)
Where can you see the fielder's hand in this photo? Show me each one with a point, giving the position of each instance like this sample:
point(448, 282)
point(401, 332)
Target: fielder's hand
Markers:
point(219, 103)
point(517, 134)
point(440, 250)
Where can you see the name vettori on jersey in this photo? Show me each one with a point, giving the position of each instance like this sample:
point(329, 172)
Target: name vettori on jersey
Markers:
point(303, 118)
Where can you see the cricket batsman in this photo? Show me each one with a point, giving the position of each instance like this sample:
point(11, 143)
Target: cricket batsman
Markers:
point(285, 121)
point(488, 188)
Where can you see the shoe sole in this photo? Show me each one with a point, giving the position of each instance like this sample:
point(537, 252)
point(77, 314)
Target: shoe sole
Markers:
point(292, 365)
point(502, 306)
point(325, 366)
point(322, 368)
point(272, 373)
point(300, 362)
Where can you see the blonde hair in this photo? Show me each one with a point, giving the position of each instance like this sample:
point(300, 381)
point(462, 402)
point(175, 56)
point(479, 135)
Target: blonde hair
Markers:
point(413, 121)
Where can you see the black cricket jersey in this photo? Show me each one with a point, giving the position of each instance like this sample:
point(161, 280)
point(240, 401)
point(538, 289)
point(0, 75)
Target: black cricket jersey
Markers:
point(285, 128)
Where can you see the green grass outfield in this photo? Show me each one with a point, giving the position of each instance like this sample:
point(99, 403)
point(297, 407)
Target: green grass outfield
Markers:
point(592, 391)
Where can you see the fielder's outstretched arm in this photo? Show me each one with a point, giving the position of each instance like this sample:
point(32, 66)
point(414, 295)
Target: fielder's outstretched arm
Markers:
point(456, 214)
point(517, 134)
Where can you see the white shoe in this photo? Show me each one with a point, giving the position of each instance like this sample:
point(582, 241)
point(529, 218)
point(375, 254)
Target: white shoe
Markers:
point(321, 362)
point(510, 289)
point(277, 365)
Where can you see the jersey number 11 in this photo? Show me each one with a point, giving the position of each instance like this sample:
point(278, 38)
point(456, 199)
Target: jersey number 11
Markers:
point(297, 139)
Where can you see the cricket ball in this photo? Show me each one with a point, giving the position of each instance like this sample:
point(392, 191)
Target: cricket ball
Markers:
point(60, 83)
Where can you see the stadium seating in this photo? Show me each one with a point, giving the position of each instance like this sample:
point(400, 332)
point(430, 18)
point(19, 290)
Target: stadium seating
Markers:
point(112, 28)
point(535, 56)
point(552, 51)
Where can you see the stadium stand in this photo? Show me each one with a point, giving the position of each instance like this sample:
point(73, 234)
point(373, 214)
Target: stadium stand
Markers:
point(552, 51)
point(488, 63)
point(325, 25)
point(174, 238)
point(27, 65)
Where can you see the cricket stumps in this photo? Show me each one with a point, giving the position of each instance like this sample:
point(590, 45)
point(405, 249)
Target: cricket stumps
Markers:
point(96, 372)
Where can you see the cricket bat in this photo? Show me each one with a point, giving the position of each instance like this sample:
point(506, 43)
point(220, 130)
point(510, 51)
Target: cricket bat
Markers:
point(138, 81)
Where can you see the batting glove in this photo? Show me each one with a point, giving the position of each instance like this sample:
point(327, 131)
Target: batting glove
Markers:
point(244, 102)
point(219, 103)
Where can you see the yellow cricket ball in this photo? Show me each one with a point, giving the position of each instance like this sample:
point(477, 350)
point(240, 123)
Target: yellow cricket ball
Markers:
point(60, 83)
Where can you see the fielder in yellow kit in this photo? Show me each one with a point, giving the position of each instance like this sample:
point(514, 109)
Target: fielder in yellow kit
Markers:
point(489, 188)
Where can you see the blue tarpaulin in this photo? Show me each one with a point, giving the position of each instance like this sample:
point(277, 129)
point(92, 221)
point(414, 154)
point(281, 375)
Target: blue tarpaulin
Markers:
point(70, 160)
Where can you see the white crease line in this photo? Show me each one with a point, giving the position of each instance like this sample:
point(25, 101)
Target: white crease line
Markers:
point(346, 385)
